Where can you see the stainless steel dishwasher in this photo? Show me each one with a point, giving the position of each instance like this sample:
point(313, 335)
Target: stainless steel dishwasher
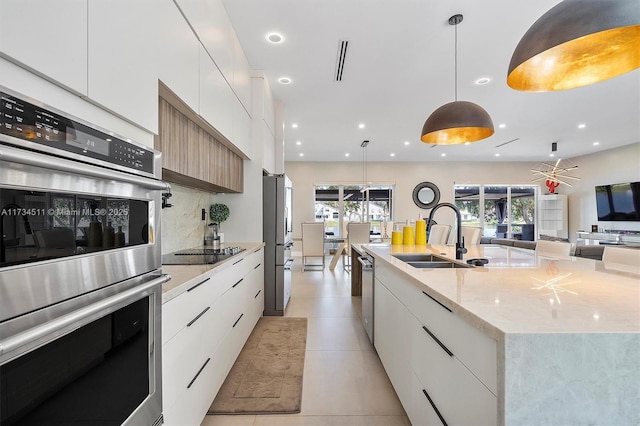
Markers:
point(366, 263)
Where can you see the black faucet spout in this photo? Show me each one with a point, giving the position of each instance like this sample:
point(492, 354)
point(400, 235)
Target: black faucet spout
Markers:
point(460, 249)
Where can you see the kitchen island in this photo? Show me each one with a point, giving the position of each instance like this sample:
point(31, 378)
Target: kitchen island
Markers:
point(527, 339)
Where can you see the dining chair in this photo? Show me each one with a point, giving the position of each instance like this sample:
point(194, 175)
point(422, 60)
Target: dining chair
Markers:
point(553, 248)
point(312, 243)
point(357, 233)
point(471, 235)
point(439, 234)
point(621, 255)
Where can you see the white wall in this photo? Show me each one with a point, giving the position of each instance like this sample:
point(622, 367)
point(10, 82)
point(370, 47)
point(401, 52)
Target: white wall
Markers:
point(612, 166)
point(618, 165)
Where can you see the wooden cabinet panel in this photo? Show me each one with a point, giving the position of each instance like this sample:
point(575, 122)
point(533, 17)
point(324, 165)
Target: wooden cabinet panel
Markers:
point(49, 37)
point(192, 156)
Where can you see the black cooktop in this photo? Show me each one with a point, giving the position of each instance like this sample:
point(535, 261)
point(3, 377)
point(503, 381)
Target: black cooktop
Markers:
point(200, 256)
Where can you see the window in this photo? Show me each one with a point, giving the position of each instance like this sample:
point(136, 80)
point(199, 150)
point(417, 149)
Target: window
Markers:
point(503, 211)
point(337, 205)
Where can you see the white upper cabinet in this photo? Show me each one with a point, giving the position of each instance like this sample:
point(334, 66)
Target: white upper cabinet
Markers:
point(241, 76)
point(122, 59)
point(178, 54)
point(241, 136)
point(210, 21)
point(49, 37)
point(216, 97)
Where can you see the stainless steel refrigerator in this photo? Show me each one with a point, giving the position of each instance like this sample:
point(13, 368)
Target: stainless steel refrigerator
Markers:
point(277, 228)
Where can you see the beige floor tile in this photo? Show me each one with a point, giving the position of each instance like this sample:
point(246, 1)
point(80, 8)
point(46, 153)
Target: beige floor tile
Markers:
point(301, 420)
point(239, 420)
point(337, 334)
point(347, 383)
point(336, 307)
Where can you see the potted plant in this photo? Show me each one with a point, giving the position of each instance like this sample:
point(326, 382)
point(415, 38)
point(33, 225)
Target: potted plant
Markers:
point(218, 213)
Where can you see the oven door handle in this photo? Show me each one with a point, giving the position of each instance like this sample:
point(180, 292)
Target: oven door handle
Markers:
point(39, 160)
point(72, 319)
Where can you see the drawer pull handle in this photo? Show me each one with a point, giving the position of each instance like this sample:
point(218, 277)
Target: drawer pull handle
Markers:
point(436, 301)
point(234, 286)
point(258, 250)
point(257, 294)
point(238, 261)
point(199, 284)
point(198, 373)
point(434, 407)
point(198, 316)
point(437, 341)
point(234, 324)
point(257, 266)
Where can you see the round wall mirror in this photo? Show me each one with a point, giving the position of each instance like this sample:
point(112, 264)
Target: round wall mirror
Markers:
point(426, 195)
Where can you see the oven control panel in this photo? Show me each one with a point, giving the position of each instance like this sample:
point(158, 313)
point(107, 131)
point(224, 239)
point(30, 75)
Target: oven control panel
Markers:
point(61, 134)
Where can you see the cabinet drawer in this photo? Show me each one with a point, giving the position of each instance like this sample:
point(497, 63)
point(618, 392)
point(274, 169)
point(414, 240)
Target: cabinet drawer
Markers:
point(470, 345)
point(417, 406)
point(460, 397)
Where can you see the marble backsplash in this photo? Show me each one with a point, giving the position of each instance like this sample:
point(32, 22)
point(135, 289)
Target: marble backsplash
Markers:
point(182, 226)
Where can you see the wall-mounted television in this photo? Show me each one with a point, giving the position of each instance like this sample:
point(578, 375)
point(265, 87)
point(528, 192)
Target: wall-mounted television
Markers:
point(618, 202)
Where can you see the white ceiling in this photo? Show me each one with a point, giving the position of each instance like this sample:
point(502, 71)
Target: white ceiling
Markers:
point(400, 67)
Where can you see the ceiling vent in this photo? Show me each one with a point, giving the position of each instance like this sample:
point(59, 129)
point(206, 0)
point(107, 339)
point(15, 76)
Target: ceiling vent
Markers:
point(342, 56)
point(507, 142)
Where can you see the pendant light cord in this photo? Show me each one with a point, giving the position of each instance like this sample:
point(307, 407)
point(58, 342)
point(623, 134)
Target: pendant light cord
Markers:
point(455, 62)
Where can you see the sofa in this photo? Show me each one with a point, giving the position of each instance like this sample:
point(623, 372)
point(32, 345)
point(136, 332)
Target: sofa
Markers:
point(589, 252)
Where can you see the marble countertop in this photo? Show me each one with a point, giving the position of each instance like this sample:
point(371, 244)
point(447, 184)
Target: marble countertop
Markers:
point(520, 291)
point(181, 275)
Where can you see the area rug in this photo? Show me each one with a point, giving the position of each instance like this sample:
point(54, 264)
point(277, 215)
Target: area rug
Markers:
point(267, 376)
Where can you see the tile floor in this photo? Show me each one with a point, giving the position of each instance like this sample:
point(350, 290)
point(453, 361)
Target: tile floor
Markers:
point(344, 381)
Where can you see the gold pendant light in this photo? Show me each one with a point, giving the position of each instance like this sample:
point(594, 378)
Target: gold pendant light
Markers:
point(460, 121)
point(577, 43)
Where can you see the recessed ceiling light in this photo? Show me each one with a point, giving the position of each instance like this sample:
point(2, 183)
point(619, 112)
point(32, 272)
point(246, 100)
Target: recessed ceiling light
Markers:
point(298, 143)
point(582, 126)
point(443, 155)
point(502, 126)
point(497, 155)
point(596, 143)
point(294, 125)
point(361, 126)
point(552, 155)
point(393, 154)
point(347, 154)
point(301, 155)
point(483, 81)
point(406, 143)
point(284, 80)
point(275, 38)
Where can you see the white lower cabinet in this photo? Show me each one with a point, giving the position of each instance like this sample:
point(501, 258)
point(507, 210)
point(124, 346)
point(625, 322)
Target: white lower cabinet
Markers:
point(209, 325)
point(418, 341)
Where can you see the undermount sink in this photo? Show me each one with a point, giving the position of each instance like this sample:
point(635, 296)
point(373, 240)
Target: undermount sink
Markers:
point(437, 264)
point(427, 260)
point(420, 257)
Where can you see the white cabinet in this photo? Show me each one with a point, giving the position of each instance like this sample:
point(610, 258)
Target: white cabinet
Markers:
point(204, 329)
point(216, 97)
point(553, 215)
point(122, 63)
point(241, 74)
point(441, 367)
point(178, 54)
point(49, 37)
point(241, 135)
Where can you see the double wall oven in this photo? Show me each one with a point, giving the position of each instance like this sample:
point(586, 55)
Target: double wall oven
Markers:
point(80, 271)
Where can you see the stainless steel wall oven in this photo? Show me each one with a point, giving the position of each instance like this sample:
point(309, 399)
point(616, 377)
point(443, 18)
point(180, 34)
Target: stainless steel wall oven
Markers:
point(80, 271)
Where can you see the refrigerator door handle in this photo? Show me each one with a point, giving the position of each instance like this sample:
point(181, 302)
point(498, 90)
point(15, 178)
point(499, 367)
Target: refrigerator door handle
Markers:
point(288, 245)
point(288, 263)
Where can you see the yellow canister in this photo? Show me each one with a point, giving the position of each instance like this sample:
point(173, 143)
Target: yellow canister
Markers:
point(421, 232)
point(396, 238)
point(407, 236)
